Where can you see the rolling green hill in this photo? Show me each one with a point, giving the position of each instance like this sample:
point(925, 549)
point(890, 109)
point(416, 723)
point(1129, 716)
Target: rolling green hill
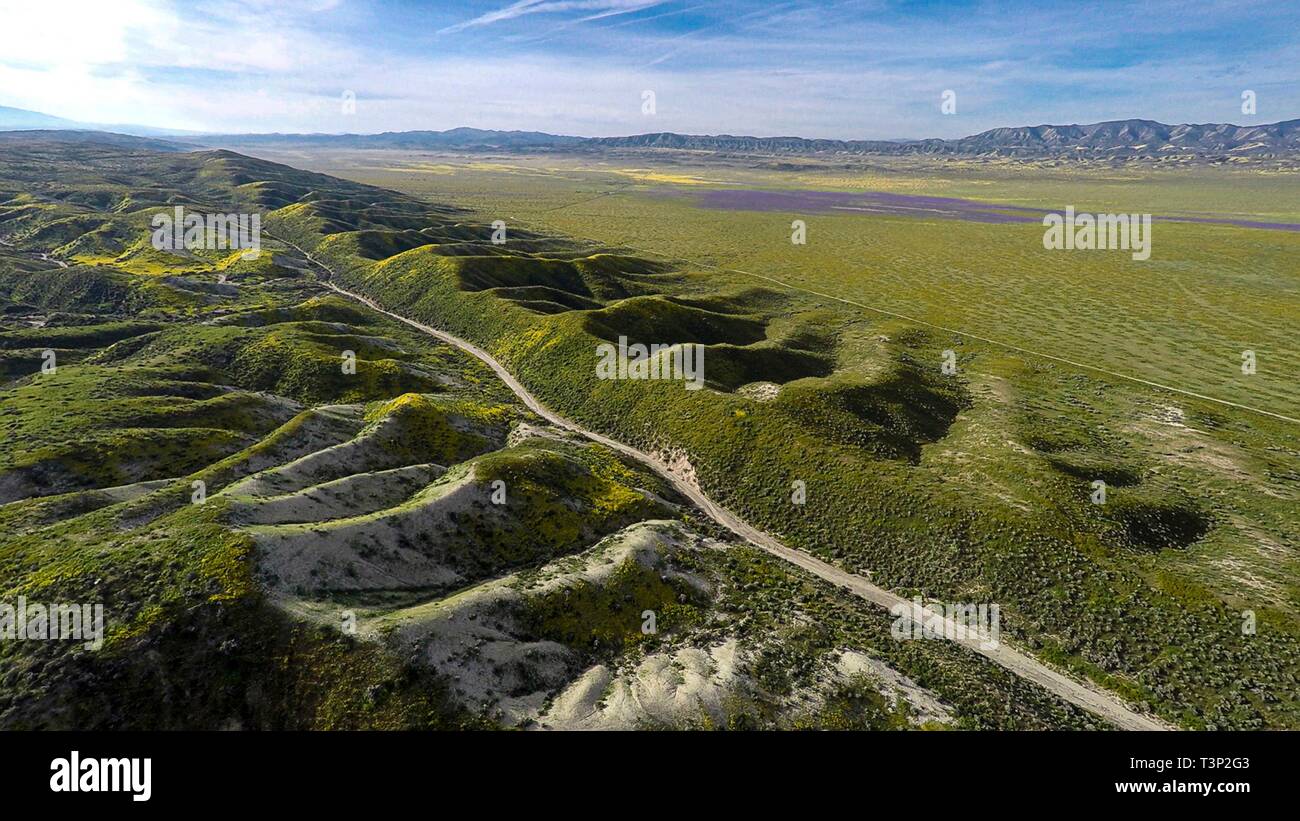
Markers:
point(407, 546)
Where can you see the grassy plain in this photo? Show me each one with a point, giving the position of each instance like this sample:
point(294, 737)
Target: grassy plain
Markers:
point(369, 492)
point(1182, 318)
point(969, 489)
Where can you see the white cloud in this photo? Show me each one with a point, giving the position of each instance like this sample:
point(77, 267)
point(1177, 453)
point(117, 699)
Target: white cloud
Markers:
point(260, 65)
point(599, 9)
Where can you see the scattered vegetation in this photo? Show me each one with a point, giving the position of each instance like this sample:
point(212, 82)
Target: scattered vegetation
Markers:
point(969, 487)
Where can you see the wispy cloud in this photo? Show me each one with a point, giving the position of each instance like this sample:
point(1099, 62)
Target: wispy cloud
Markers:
point(853, 69)
point(601, 8)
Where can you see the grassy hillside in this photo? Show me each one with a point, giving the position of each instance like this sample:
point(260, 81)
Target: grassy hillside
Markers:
point(968, 487)
point(280, 542)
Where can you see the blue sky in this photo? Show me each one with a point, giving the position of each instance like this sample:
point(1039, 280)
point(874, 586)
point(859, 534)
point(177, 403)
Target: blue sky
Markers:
point(833, 68)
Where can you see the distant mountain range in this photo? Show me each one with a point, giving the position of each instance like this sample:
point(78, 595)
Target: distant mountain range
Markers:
point(1115, 138)
point(415, 140)
point(20, 119)
point(1119, 138)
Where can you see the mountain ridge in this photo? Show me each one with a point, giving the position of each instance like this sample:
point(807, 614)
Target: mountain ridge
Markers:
point(1126, 138)
point(22, 119)
point(1115, 138)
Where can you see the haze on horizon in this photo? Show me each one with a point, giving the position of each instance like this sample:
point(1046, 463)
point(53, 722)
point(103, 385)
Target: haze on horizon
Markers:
point(853, 69)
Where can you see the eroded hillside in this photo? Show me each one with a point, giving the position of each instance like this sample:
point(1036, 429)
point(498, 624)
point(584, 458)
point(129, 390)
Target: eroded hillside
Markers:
point(298, 512)
point(406, 545)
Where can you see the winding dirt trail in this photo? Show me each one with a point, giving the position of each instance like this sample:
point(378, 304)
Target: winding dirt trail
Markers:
point(1085, 696)
point(41, 256)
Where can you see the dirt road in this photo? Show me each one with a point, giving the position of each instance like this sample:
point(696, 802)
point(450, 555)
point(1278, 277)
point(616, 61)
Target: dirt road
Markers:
point(1090, 698)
